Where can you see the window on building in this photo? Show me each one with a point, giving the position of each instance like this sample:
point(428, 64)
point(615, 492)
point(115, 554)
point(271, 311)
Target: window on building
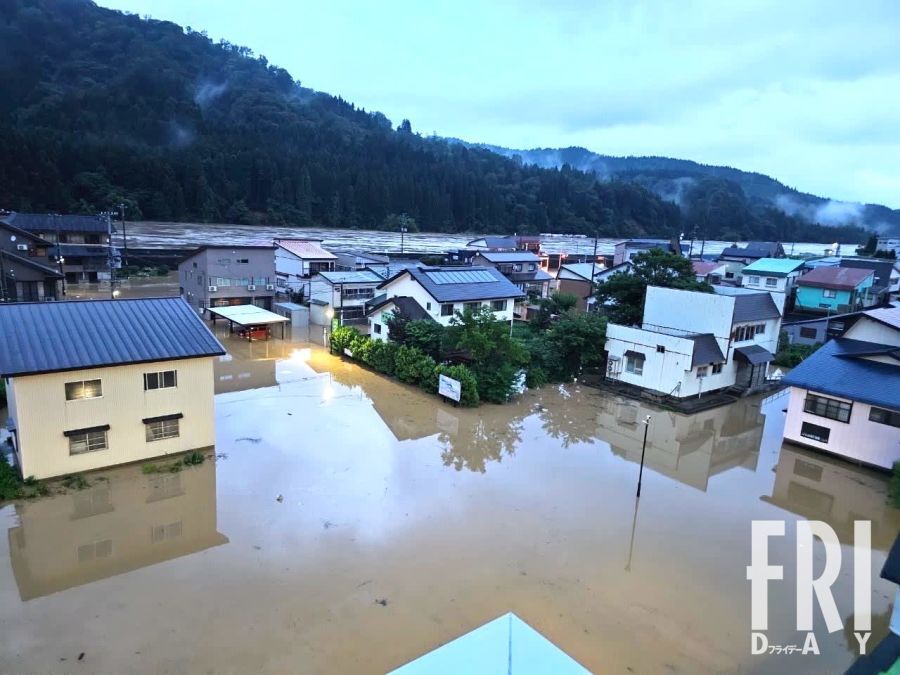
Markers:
point(94, 550)
point(377, 328)
point(808, 333)
point(532, 267)
point(447, 310)
point(634, 363)
point(829, 293)
point(357, 293)
point(224, 261)
point(771, 282)
point(194, 265)
point(660, 349)
point(498, 305)
point(815, 432)
point(759, 328)
point(81, 442)
point(717, 368)
point(828, 407)
point(884, 416)
point(744, 333)
point(702, 371)
point(243, 261)
point(472, 306)
point(428, 306)
point(752, 280)
point(162, 429)
point(517, 267)
point(165, 379)
point(160, 533)
point(83, 389)
point(729, 275)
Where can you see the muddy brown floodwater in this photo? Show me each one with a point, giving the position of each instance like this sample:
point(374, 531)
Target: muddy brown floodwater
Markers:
point(404, 522)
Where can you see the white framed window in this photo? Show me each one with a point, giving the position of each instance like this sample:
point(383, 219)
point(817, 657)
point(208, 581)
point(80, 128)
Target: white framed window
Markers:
point(163, 379)
point(159, 430)
point(753, 281)
point(82, 389)
point(829, 293)
point(472, 306)
point(498, 305)
point(634, 363)
point(717, 368)
point(702, 371)
point(82, 441)
point(771, 282)
point(377, 328)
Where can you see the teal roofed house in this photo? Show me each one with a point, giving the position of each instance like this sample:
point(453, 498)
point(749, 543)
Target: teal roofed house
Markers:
point(775, 275)
point(505, 646)
point(835, 290)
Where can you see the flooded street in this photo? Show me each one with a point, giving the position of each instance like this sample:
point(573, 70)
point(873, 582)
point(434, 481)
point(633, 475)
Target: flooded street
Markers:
point(404, 522)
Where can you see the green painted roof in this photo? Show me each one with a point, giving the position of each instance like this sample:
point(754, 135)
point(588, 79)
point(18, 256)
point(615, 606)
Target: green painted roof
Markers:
point(774, 266)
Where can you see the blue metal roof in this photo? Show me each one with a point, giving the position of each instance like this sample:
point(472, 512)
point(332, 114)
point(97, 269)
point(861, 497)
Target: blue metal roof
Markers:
point(49, 222)
point(45, 337)
point(462, 284)
point(839, 369)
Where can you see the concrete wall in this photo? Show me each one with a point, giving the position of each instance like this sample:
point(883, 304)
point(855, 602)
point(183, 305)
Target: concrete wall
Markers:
point(213, 266)
point(663, 371)
point(859, 440)
point(42, 414)
point(689, 311)
point(405, 285)
point(581, 289)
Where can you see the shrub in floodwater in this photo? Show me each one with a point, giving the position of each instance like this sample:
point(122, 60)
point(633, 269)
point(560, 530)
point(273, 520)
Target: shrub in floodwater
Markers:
point(382, 356)
point(341, 338)
point(194, 458)
point(469, 385)
point(76, 482)
point(894, 492)
point(412, 366)
point(361, 346)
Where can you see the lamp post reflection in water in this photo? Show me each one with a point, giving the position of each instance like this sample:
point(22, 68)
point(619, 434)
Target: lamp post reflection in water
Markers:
point(643, 452)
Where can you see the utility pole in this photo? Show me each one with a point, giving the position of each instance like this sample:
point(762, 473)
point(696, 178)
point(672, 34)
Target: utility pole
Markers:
point(124, 236)
point(593, 272)
point(3, 296)
point(643, 451)
point(60, 260)
point(110, 256)
point(402, 233)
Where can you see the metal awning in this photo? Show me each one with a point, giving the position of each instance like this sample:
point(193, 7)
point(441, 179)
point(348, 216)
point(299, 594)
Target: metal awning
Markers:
point(753, 354)
point(248, 315)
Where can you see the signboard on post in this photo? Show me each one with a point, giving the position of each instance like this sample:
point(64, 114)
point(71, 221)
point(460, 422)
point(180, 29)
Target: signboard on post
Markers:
point(449, 388)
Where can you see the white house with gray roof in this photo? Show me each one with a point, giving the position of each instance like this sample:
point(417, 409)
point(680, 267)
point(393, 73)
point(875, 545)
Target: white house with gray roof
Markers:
point(690, 343)
point(346, 293)
point(443, 291)
point(95, 383)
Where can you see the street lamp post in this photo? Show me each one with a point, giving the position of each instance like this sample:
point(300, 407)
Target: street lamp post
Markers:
point(643, 452)
point(124, 235)
point(60, 260)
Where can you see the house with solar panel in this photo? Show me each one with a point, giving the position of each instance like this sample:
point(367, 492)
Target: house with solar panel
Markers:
point(441, 292)
point(523, 268)
point(95, 383)
point(845, 398)
point(692, 343)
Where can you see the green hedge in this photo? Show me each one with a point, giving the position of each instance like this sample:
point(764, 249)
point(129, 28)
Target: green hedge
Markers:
point(407, 364)
point(895, 486)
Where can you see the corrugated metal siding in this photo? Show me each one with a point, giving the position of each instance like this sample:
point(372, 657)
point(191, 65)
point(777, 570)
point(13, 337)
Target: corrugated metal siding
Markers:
point(47, 337)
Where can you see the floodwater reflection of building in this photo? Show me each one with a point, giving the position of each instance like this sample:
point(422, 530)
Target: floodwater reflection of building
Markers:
point(115, 526)
point(688, 448)
point(819, 487)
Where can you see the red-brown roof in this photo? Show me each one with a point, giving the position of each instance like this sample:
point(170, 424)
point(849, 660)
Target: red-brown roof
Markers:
point(704, 268)
point(841, 278)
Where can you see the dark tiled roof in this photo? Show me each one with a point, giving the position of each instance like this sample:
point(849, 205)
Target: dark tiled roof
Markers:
point(881, 267)
point(407, 306)
point(45, 222)
point(497, 242)
point(754, 307)
point(18, 231)
point(833, 369)
point(842, 278)
point(754, 249)
point(57, 336)
point(474, 283)
point(754, 354)
point(706, 350)
point(31, 262)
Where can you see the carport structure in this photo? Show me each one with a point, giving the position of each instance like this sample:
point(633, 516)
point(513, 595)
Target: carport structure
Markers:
point(249, 318)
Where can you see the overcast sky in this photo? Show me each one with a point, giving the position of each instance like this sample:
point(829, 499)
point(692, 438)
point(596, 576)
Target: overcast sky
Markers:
point(807, 92)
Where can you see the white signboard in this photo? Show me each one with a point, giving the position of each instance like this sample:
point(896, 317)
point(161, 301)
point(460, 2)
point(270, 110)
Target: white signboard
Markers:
point(449, 387)
point(348, 352)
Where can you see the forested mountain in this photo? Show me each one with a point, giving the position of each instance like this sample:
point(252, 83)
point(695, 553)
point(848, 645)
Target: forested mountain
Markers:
point(98, 107)
point(678, 180)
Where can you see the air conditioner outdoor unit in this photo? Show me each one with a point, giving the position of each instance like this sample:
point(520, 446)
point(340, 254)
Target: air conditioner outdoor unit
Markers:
point(213, 289)
point(22, 247)
point(251, 287)
point(270, 287)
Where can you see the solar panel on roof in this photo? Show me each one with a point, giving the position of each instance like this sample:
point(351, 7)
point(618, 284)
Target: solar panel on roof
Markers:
point(461, 277)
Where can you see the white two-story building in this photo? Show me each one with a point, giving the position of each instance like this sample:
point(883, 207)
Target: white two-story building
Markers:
point(345, 293)
point(776, 276)
point(690, 343)
point(845, 398)
point(95, 383)
point(441, 292)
